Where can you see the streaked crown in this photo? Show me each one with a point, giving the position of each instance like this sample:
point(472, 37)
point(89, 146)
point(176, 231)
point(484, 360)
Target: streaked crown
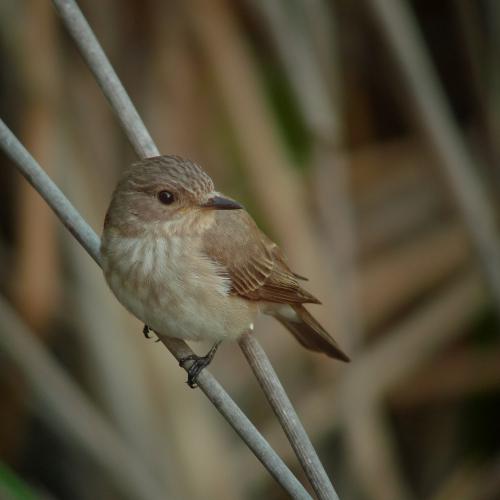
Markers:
point(171, 170)
point(157, 189)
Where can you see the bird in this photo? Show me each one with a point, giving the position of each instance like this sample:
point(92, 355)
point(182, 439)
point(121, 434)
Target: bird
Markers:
point(192, 264)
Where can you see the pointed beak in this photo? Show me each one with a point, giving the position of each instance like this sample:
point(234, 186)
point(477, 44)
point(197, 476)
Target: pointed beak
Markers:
point(221, 203)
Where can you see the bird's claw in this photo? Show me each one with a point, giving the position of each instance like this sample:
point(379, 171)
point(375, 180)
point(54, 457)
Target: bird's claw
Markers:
point(195, 369)
point(199, 363)
point(145, 332)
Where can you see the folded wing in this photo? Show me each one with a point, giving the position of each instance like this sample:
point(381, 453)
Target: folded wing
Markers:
point(257, 270)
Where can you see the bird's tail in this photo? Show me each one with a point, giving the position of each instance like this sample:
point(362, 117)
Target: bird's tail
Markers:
point(309, 332)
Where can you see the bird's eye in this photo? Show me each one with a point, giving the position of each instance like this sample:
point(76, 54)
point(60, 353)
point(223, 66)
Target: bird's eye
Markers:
point(166, 197)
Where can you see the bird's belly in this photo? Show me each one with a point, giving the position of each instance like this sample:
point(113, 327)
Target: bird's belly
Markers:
point(178, 295)
point(210, 319)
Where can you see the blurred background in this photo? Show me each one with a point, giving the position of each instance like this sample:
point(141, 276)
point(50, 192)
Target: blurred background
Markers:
point(353, 132)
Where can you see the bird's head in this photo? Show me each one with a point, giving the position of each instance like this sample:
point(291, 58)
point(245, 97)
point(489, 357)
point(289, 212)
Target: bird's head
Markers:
point(163, 189)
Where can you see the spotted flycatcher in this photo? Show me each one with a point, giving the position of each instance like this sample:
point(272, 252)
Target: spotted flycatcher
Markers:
point(192, 264)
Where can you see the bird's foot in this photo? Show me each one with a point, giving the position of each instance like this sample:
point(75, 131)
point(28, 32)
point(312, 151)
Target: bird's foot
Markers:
point(146, 332)
point(199, 363)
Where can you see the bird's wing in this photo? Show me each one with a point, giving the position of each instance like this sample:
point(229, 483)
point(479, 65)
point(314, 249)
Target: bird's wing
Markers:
point(254, 264)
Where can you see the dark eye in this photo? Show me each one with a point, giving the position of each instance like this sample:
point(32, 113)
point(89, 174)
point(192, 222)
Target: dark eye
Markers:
point(166, 197)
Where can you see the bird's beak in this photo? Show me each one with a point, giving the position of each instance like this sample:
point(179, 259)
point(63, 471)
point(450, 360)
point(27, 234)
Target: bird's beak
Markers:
point(221, 203)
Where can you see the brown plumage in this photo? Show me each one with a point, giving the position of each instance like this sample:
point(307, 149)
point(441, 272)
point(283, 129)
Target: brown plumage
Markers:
point(193, 264)
point(311, 334)
point(258, 271)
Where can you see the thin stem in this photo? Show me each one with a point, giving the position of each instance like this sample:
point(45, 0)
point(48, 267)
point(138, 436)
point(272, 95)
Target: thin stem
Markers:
point(106, 77)
point(144, 146)
point(90, 241)
point(398, 25)
point(285, 412)
point(49, 191)
point(67, 409)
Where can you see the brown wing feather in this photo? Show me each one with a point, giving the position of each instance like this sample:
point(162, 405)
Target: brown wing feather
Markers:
point(255, 265)
point(310, 333)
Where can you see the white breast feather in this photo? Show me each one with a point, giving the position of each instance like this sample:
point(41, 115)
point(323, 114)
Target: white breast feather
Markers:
point(174, 288)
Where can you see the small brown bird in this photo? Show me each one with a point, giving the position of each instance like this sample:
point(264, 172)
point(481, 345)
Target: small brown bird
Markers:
point(192, 264)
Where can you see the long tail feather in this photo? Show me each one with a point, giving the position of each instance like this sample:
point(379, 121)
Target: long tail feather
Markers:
point(310, 333)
